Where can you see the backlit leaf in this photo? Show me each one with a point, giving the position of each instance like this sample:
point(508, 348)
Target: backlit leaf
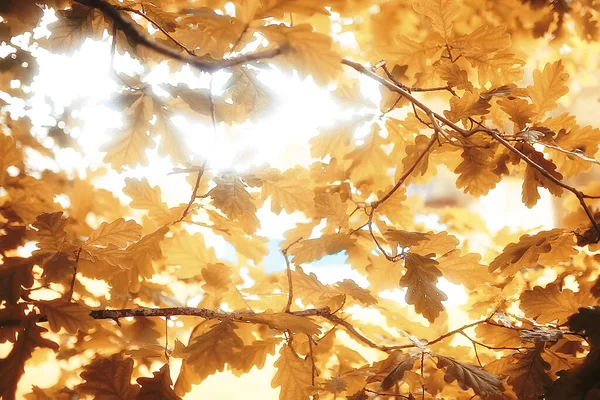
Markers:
point(419, 280)
point(294, 376)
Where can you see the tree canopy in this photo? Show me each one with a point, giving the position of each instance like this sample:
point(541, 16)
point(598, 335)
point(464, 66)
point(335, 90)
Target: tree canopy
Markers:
point(129, 293)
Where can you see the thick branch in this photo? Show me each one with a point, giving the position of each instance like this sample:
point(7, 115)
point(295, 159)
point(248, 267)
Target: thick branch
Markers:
point(135, 35)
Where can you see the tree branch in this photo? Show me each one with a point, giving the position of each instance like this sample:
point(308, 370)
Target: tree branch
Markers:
point(135, 35)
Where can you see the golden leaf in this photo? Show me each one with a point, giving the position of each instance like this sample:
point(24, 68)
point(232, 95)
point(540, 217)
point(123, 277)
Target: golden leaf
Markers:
point(330, 206)
point(351, 288)
point(498, 336)
point(549, 304)
point(209, 33)
point(485, 40)
point(438, 243)
point(74, 26)
point(420, 279)
point(72, 317)
point(289, 191)
point(311, 53)
point(526, 253)
point(549, 85)
point(230, 196)
point(294, 375)
point(413, 152)
point(454, 76)
point(253, 355)
point(315, 249)
point(404, 363)
point(469, 105)
point(12, 366)
point(483, 383)
point(477, 169)
point(534, 179)
point(189, 252)
point(309, 289)
point(129, 147)
point(404, 238)
point(526, 372)
point(119, 232)
point(465, 270)
point(51, 234)
point(441, 13)
point(217, 278)
point(8, 155)
point(109, 377)
point(519, 110)
point(157, 387)
point(146, 197)
point(209, 352)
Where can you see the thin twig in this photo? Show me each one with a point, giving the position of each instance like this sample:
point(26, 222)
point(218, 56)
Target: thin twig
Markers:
point(289, 275)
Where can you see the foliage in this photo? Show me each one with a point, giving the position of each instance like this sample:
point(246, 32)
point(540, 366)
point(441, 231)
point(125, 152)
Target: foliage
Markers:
point(100, 275)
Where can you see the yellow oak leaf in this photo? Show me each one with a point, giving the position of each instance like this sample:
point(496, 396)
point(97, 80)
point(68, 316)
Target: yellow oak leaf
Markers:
point(420, 278)
point(146, 197)
point(189, 252)
point(331, 206)
point(469, 105)
point(483, 383)
point(72, 317)
point(8, 155)
point(294, 376)
point(290, 191)
point(109, 377)
point(549, 304)
point(209, 33)
point(485, 39)
point(253, 355)
point(413, 152)
point(574, 138)
point(74, 26)
point(310, 53)
point(286, 321)
point(128, 148)
point(497, 68)
point(441, 12)
point(404, 238)
point(477, 174)
point(230, 196)
point(548, 86)
point(519, 110)
point(454, 76)
point(208, 352)
point(534, 179)
point(247, 89)
point(406, 51)
point(217, 279)
point(526, 253)
point(465, 270)
point(363, 170)
point(51, 234)
point(351, 288)
point(315, 249)
point(498, 336)
point(438, 243)
point(157, 387)
point(309, 289)
point(526, 372)
point(12, 365)
point(119, 232)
